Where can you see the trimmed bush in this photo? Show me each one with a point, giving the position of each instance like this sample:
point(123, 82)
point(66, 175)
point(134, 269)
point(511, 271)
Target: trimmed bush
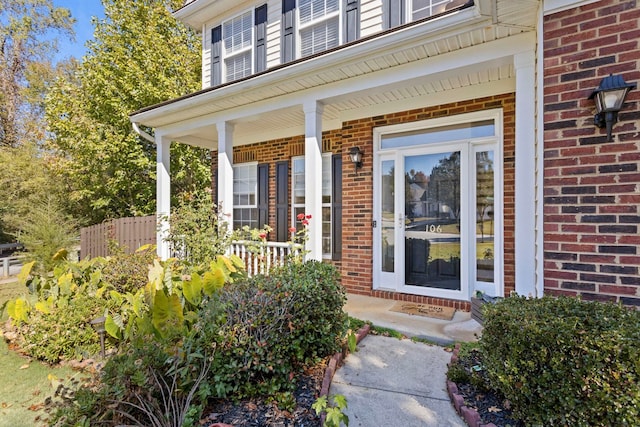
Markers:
point(269, 328)
point(562, 361)
point(318, 320)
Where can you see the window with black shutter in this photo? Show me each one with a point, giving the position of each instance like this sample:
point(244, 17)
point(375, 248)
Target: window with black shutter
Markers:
point(351, 21)
point(216, 52)
point(263, 195)
point(282, 201)
point(288, 33)
point(260, 38)
point(393, 13)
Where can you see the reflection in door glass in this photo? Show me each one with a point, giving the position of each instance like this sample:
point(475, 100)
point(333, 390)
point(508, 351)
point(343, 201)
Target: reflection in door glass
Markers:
point(485, 249)
point(388, 216)
point(432, 226)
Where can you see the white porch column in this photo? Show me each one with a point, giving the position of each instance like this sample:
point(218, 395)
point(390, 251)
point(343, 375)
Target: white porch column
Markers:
point(525, 171)
point(313, 176)
point(225, 170)
point(163, 194)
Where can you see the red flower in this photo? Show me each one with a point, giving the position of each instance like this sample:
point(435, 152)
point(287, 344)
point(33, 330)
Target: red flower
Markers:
point(305, 222)
point(308, 216)
point(300, 216)
point(292, 230)
point(263, 236)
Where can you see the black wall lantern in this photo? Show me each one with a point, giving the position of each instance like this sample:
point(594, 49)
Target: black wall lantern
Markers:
point(356, 157)
point(609, 97)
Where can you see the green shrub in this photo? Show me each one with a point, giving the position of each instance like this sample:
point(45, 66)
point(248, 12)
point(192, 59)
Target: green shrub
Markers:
point(318, 320)
point(269, 328)
point(128, 272)
point(562, 361)
point(63, 332)
point(197, 231)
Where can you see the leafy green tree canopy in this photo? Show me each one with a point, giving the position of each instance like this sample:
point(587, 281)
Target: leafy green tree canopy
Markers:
point(140, 56)
point(28, 30)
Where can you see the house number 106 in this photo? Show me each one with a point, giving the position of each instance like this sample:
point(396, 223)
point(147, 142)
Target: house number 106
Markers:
point(435, 228)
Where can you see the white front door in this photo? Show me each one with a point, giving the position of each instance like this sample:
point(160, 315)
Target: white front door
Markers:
point(436, 212)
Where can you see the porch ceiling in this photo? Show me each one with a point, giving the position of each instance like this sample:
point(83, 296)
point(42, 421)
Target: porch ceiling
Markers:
point(192, 119)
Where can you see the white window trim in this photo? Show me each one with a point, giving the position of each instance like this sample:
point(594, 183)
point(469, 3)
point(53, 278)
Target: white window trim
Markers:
point(301, 27)
point(496, 142)
point(245, 165)
point(251, 47)
point(294, 206)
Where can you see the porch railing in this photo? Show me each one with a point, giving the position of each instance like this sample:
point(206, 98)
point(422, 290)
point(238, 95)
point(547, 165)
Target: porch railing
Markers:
point(260, 258)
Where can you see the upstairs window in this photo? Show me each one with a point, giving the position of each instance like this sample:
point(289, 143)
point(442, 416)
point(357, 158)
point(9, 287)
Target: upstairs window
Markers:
point(398, 12)
point(238, 46)
point(319, 25)
point(237, 37)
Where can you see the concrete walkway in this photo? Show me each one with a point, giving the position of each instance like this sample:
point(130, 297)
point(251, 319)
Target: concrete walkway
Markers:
point(391, 382)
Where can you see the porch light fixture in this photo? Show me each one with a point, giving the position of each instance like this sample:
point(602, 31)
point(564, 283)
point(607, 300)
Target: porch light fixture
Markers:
point(356, 157)
point(609, 97)
point(98, 325)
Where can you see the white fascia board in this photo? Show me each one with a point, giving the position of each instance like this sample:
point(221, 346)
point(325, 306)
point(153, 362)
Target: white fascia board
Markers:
point(198, 12)
point(555, 6)
point(463, 21)
point(501, 50)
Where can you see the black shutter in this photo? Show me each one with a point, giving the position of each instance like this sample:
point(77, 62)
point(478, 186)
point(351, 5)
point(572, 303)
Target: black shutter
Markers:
point(336, 207)
point(216, 52)
point(282, 201)
point(352, 20)
point(288, 22)
point(261, 37)
point(393, 13)
point(263, 195)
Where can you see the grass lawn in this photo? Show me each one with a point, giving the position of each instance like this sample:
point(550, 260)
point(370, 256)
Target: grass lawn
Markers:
point(24, 384)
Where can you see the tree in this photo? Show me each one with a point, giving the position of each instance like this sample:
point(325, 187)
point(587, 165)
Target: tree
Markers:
point(444, 183)
point(140, 56)
point(25, 27)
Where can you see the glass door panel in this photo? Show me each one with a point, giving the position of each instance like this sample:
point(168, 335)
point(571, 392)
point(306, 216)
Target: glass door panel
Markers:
point(387, 218)
point(432, 220)
point(485, 196)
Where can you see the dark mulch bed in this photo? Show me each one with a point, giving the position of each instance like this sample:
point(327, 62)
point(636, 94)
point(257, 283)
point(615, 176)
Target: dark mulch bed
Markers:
point(259, 412)
point(490, 404)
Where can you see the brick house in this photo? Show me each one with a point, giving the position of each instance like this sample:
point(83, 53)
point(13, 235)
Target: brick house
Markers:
point(481, 166)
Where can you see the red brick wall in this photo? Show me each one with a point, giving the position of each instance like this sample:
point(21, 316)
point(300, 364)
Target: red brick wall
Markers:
point(591, 186)
point(357, 234)
point(357, 268)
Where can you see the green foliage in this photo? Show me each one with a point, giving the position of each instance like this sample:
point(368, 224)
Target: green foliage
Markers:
point(562, 361)
point(61, 331)
point(197, 232)
point(76, 293)
point(28, 30)
point(52, 322)
point(47, 234)
point(318, 321)
point(156, 383)
point(334, 412)
point(268, 328)
point(140, 56)
point(128, 272)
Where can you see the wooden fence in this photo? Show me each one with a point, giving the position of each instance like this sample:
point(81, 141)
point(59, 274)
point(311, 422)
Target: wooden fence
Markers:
point(130, 233)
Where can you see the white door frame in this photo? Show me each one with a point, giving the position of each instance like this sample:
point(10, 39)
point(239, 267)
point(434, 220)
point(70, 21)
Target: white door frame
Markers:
point(395, 281)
